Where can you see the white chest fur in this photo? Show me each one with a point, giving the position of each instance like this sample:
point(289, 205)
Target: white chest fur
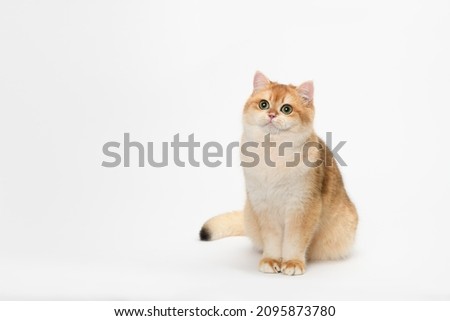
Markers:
point(276, 190)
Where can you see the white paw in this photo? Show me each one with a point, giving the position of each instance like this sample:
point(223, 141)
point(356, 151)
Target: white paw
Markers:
point(267, 265)
point(293, 267)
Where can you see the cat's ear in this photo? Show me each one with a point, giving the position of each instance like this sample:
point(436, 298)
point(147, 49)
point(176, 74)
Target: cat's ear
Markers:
point(306, 90)
point(260, 81)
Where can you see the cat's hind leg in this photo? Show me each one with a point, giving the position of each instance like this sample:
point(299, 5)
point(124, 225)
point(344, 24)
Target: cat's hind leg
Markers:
point(335, 235)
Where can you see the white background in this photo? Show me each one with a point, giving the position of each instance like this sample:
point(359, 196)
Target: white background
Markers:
point(75, 75)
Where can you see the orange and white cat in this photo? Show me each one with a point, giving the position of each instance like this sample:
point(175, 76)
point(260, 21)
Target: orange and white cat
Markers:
point(293, 213)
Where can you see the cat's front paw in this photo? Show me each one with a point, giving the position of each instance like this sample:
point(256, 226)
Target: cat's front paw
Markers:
point(293, 267)
point(267, 265)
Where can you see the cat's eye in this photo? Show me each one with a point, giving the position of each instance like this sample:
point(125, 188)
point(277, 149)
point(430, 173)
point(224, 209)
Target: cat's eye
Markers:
point(264, 104)
point(286, 109)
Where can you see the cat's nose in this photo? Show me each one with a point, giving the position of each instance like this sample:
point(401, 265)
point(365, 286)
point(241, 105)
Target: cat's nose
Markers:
point(272, 116)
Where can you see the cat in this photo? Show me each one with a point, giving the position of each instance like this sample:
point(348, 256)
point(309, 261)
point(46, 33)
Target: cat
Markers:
point(292, 213)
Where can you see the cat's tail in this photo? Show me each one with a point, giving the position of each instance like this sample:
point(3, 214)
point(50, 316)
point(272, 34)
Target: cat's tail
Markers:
point(223, 225)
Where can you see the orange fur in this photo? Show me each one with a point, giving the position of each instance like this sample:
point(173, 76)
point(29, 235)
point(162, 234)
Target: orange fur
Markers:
point(292, 213)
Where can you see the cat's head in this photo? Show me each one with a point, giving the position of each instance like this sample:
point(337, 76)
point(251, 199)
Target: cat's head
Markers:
point(278, 108)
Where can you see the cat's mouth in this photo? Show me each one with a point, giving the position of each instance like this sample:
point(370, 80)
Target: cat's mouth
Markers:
point(272, 127)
